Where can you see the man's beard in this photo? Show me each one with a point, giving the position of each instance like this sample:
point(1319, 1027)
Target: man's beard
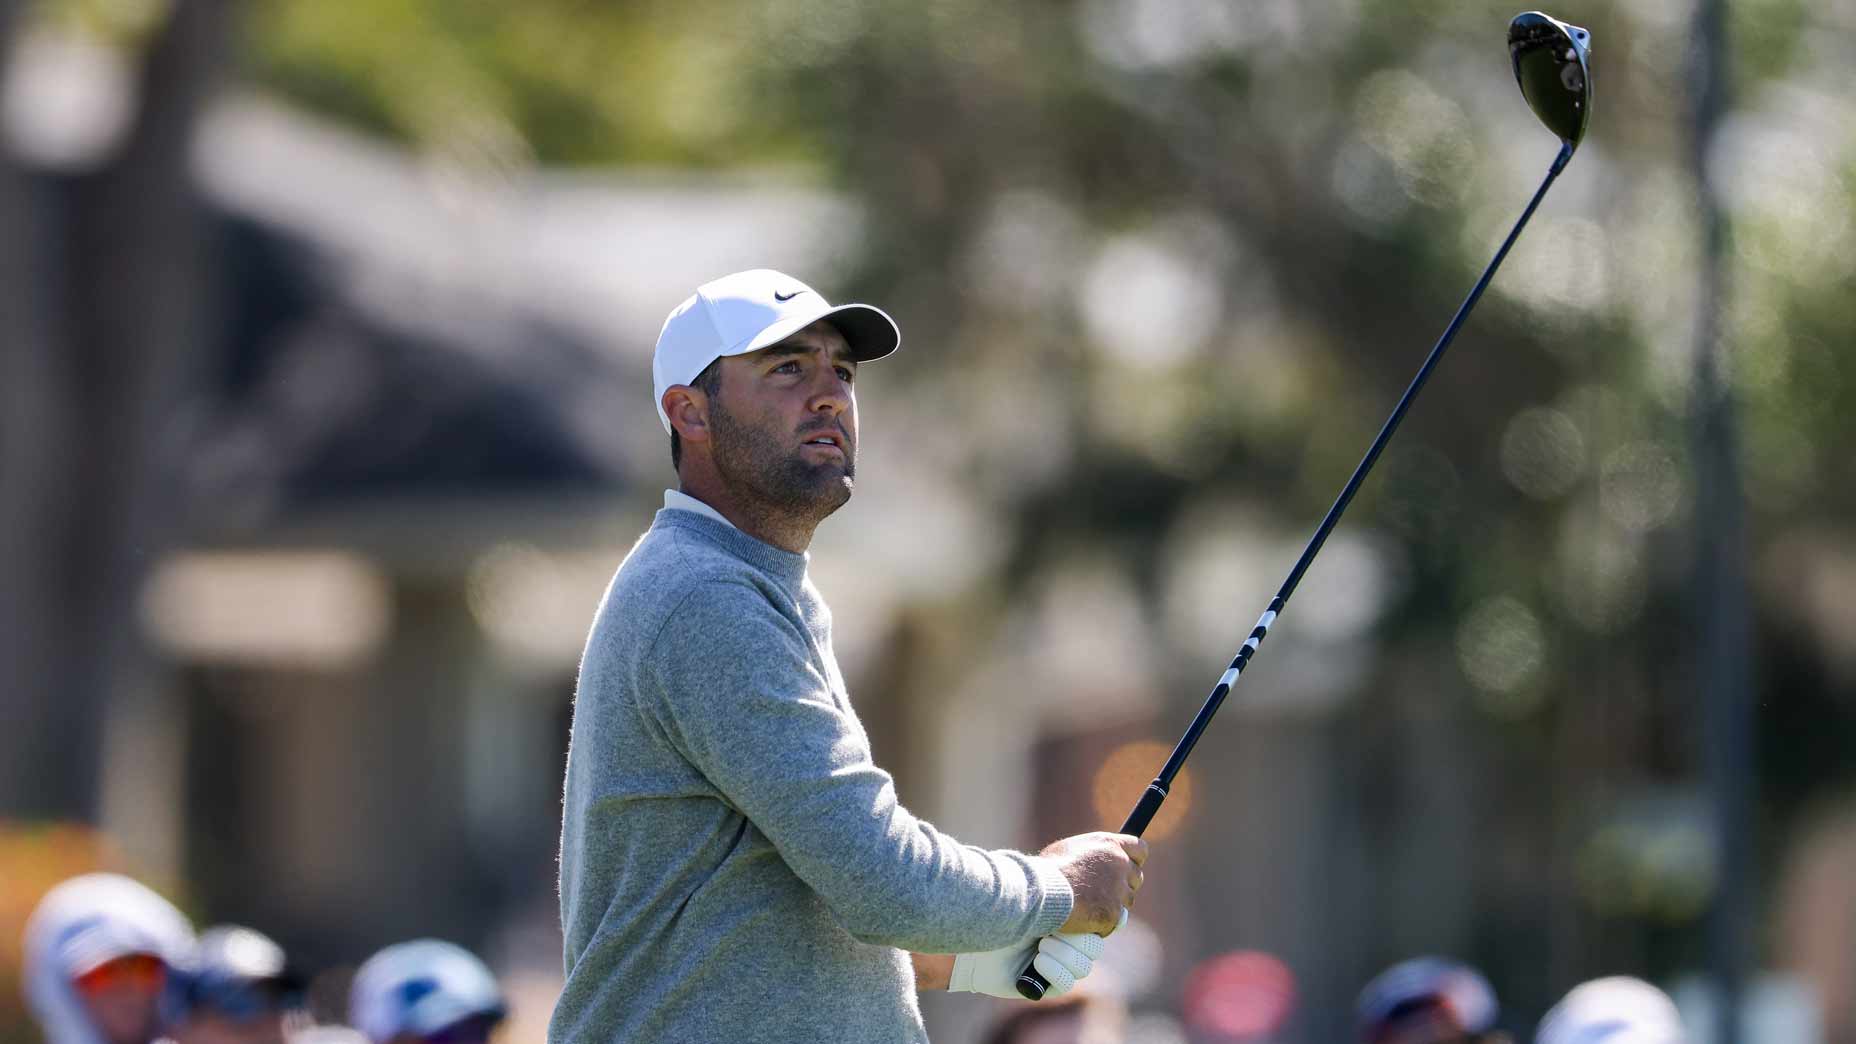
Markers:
point(768, 467)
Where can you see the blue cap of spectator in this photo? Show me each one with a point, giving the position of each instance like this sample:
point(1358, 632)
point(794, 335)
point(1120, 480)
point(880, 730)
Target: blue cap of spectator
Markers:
point(1427, 999)
point(238, 974)
point(428, 991)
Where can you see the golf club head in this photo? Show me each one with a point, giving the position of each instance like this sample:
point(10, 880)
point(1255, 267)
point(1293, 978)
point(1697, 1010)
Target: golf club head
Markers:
point(1550, 65)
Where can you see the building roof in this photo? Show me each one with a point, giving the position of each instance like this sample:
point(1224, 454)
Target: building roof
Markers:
point(404, 334)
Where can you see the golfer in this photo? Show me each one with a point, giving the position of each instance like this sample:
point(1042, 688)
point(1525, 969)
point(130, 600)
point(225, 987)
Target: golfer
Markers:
point(733, 866)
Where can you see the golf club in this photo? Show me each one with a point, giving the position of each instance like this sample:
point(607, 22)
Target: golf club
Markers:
point(1550, 64)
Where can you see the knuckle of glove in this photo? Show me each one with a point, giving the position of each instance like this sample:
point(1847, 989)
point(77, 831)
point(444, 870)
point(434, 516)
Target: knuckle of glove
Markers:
point(1091, 945)
point(1054, 972)
point(1075, 952)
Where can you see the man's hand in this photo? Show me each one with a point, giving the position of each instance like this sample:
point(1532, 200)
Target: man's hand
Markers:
point(1061, 959)
point(1104, 871)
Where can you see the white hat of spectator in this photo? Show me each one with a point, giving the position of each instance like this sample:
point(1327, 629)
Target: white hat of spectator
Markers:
point(419, 988)
point(1616, 1010)
point(82, 924)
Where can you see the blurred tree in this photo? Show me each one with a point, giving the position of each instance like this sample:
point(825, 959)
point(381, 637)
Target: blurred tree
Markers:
point(553, 81)
point(106, 335)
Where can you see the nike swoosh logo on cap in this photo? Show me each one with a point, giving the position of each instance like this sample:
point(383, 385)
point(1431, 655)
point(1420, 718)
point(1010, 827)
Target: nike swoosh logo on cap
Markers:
point(778, 296)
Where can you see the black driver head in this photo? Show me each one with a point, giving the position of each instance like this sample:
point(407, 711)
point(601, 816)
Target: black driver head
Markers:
point(1550, 65)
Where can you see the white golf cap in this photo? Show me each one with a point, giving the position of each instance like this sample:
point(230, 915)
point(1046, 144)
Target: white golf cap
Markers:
point(1616, 1010)
point(748, 311)
point(421, 987)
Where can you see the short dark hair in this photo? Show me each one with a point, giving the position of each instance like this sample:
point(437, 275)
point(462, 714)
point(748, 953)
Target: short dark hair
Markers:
point(709, 381)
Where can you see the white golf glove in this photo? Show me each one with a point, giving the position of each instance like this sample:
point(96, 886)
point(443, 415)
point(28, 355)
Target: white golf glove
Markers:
point(1061, 959)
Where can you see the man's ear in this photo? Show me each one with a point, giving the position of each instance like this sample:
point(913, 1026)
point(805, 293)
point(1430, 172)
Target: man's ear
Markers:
point(688, 410)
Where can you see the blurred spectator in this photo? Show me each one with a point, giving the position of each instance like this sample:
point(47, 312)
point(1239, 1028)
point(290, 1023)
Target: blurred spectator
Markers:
point(1429, 1000)
point(236, 988)
point(1078, 1018)
point(1616, 1010)
point(1242, 995)
point(425, 992)
point(99, 949)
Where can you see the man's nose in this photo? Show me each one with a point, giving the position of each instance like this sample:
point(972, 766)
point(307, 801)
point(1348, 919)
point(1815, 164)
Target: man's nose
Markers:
point(832, 394)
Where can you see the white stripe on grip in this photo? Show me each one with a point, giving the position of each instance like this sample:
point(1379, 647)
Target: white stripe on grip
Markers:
point(1263, 624)
point(1229, 677)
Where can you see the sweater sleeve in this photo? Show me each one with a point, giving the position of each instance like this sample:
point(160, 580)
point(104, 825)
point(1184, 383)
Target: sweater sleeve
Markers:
point(731, 682)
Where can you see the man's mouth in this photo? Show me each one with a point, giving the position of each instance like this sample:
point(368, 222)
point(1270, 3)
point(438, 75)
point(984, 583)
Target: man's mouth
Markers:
point(829, 439)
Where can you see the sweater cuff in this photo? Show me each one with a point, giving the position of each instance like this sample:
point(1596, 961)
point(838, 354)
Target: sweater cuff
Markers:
point(1055, 897)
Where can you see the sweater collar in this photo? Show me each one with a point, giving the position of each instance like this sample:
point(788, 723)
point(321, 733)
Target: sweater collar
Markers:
point(676, 498)
point(784, 565)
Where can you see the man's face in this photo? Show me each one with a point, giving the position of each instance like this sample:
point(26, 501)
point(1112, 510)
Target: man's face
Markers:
point(121, 995)
point(1431, 1026)
point(784, 423)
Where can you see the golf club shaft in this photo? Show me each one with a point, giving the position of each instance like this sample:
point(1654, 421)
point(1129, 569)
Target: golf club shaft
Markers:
point(1032, 985)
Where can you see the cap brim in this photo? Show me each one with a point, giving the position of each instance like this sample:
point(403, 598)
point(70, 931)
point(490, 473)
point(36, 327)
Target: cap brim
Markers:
point(97, 945)
point(428, 1019)
point(88, 960)
point(868, 330)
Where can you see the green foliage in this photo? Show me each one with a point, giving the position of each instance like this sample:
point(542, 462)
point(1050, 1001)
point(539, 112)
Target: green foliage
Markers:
point(1766, 36)
point(568, 81)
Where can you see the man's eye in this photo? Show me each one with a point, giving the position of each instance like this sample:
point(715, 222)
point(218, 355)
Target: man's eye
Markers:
point(787, 367)
point(845, 375)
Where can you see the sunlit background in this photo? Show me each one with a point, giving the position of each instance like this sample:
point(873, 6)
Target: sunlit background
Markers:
point(324, 419)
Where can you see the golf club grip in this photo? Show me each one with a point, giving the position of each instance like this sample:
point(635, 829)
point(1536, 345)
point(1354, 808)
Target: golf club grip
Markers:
point(1144, 810)
point(1030, 984)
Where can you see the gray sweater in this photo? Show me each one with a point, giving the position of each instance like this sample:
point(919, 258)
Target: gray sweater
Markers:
point(733, 866)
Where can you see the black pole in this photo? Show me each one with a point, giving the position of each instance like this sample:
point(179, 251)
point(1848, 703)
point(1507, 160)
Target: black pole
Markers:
point(1721, 627)
point(1030, 984)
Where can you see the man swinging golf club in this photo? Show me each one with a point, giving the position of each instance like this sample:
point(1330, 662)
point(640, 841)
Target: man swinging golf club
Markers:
point(733, 865)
